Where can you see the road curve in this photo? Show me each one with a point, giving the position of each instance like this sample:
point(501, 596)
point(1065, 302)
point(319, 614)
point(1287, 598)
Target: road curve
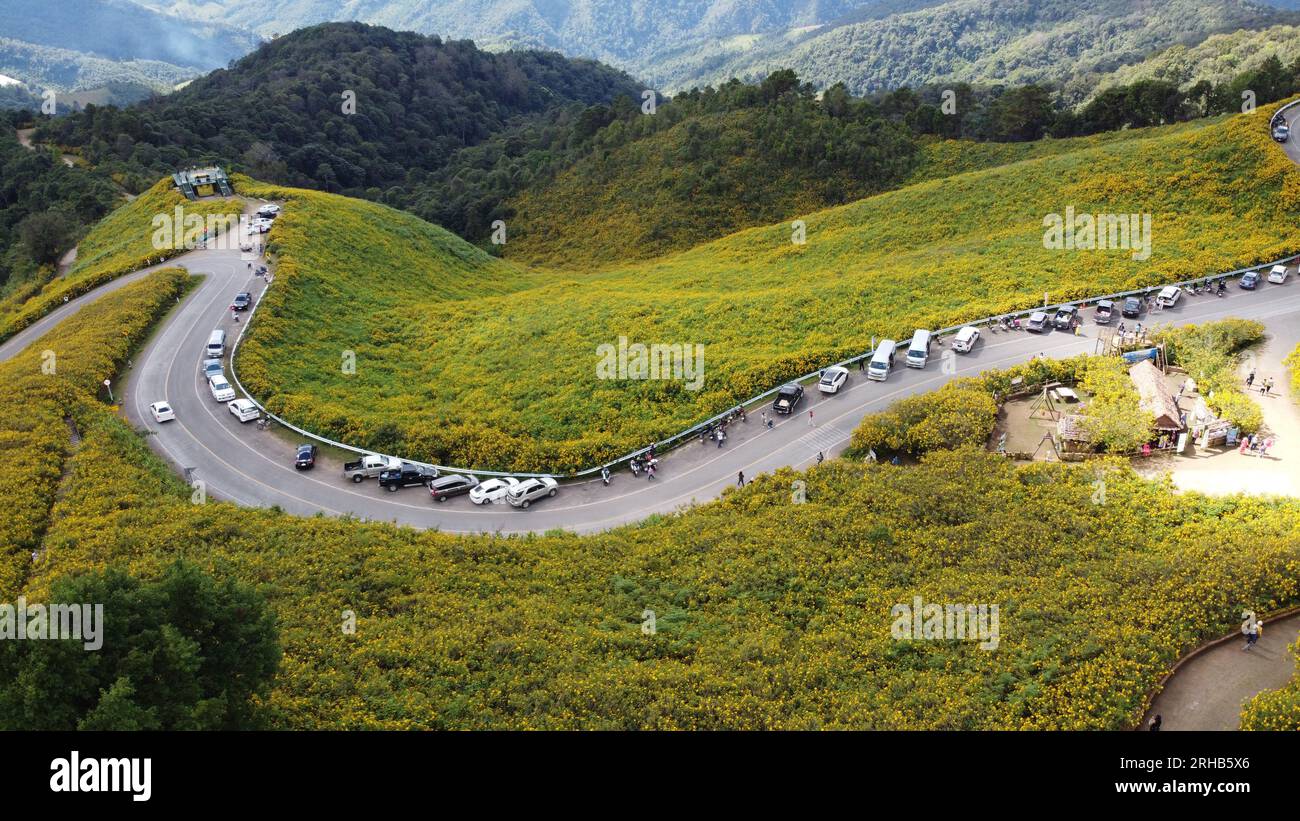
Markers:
point(240, 463)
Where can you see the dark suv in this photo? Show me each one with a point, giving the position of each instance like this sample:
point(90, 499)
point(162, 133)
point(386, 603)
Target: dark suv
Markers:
point(306, 458)
point(405, 476)
point(1132, 308)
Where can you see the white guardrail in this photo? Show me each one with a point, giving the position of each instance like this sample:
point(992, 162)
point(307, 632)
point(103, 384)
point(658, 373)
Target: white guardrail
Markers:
point(692, 432)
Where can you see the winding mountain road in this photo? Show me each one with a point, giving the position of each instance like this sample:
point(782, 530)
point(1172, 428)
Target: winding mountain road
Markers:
point(253, 467)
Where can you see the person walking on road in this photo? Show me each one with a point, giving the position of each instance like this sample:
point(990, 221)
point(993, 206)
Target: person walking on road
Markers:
point(811, 423)
point(1253, 636)
point(740, 478)
point(821, 457)
point(650, 472)
point(1263, 449)
point(1154, 726)
point(1250, 378)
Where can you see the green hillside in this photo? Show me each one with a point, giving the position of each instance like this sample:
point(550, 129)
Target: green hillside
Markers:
point(769, 613)
point(507, 378)
point(705, 177)
point(1004, 41)
point(1217, 59)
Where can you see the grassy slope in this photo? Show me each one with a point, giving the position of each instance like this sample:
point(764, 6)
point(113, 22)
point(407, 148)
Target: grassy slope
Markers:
point(508, 380)
point(769, 613)
point(642, 200)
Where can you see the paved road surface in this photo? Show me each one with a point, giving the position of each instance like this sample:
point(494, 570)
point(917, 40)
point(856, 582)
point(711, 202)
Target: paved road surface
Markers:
point(1208, 692)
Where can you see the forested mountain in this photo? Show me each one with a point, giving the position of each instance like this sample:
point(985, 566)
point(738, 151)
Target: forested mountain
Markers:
point(1014, 41)
point(868, 45)
point(69, 72)
point(628, 33)
point(342, 107)
point(123, 30)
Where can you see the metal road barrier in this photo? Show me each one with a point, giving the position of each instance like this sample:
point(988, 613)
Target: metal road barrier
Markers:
point(692, 432)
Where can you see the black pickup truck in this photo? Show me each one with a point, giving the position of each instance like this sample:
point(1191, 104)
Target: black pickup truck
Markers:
point(787, 397)
point(405, 476)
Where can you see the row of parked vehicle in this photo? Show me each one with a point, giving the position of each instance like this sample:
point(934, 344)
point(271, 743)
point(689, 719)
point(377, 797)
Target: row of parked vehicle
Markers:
point(394, 474)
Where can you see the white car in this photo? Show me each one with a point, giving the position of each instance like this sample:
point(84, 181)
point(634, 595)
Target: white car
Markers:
point(162, 412)
point(1169, 296)
point(524, 493)
point(220, 388)
point(1278, 275)
point(833, 378)
point(965, 339)
point(261, 225)
point(244, 410)
point(492, 490)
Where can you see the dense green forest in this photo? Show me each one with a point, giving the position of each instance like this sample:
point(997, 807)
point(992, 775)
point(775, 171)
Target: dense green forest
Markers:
point(1062, 42)
point(340, 107)
point(45, 206)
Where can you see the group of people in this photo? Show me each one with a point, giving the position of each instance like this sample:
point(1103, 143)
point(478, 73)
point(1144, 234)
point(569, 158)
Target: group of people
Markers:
point(1255, 444)
point(1265, 384)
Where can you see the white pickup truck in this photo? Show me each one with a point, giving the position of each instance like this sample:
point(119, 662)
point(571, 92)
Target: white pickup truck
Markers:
point(369, 466)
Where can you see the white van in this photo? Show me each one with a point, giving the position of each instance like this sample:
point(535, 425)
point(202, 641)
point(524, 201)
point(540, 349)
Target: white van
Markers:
point(966, 339)
point(1169, 296)
point(918, 353)
point(217, 344)
point(882, 359)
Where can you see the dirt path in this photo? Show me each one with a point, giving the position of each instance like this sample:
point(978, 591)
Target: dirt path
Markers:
point(1221, 471)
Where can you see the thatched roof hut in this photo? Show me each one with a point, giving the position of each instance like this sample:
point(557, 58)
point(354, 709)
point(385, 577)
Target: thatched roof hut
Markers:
point(1156, 399)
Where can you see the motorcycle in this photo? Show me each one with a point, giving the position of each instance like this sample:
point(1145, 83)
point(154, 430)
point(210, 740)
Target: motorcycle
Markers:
point(604, 476)
point(635, 464)
point(1222, 289)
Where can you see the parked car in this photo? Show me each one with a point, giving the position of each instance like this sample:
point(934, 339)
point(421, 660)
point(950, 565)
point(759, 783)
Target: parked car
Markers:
point(211, 368)
point(405, 476)
point(453, 484)
point(787, 397)
point(492, 490)
point(220, 389)
point(1132, 307)
point(162, 412)
point(965, 339)
point(1278, 275)
point(1104, 313)
point(1039, 322)
point(242, 300)
point(529, 490)
point(244, 410)
point(305, 458)
point(260, 226)
point(1249, 280)
point(833, 378)
point(269, 211)
point(1169, 296)
point(1065, 317)
point(368, 466)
